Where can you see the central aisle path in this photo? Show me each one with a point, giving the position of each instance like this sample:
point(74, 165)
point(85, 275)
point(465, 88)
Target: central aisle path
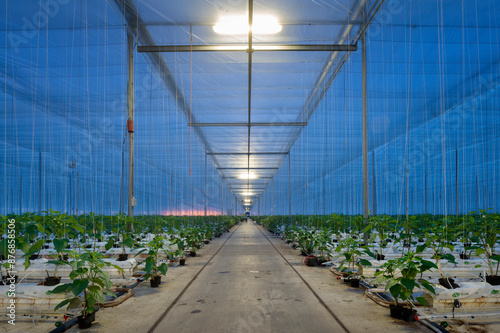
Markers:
point(248, 287)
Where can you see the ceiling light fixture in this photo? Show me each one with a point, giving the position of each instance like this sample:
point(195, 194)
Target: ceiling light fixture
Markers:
point(246, 193)
point(247, 175)
point(238, 25)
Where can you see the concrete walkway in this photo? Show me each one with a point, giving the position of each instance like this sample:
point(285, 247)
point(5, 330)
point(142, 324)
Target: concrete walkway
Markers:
point(248, 287)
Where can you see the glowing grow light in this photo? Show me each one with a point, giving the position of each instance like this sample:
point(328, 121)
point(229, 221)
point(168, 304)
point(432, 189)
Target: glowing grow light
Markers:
point(238, 25)
point(247, 175)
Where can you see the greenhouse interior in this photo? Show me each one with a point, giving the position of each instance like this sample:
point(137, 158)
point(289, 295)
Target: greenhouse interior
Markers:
point(250, 166)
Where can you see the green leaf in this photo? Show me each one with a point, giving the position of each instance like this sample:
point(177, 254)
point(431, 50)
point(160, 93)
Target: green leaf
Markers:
point(450, 258)
point(140, 252)
point(35, 247)
point(78, 272)
point(163, 268)
point(117, 267)
point(60, 244)
point(480, 251)
point(427, 285)
point(95, 294)
point(395, 290)
point(78, 286)
point(421, 248)
point(370, 253)
point(426, 265)
point(495, 257)
point(391, 283)
point(98, 282)
point(60, 289)
point(494, 292)
point(408, 283)
point(422, 301)
point(365, 262)
point(477, 266)
point(79, 228)
point(110, 243)
point(63, 303)
point(58, 262)
point(129, 242)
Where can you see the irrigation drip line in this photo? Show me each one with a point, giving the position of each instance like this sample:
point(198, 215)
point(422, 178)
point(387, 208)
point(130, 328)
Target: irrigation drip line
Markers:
point(165, 313)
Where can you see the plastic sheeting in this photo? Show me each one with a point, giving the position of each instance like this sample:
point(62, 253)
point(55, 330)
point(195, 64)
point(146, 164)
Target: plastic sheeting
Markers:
point(433, 126)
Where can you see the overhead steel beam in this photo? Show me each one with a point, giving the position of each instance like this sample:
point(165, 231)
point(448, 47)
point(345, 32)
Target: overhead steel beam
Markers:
point(236, 187)
point(245, 124)
point(245, 48)
point(264, 153)
point(246, 179)
point(247, 168)
point(205, 24)
point(248, 196)
point(244, 190)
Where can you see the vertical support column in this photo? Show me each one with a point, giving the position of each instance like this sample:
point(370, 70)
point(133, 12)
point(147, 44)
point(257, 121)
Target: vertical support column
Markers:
point(425, 175)
point(77, 192)
point(456, 182)
point(130, 123)
point(40, 183)
point(326, 156)
point(171, 194)
point(425, 190)
point(477, 196)
point(122, 184)
point(374, 185)
point(272, 198)
point(365, 127)
point(205, 183)
point(70, 192)
point(407, 194)
point(289, 190)
point(20, 196)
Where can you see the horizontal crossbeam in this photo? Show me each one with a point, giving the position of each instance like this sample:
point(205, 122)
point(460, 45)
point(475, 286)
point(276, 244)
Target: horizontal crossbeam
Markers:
point(245, 124)
point(246, 179)
point(263, 153)
point(243, 47)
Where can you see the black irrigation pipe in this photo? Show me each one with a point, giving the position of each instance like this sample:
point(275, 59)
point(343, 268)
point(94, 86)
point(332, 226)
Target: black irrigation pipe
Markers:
point(433, 326)
point(308, 286)
point(65, 326)
point(165, 313)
